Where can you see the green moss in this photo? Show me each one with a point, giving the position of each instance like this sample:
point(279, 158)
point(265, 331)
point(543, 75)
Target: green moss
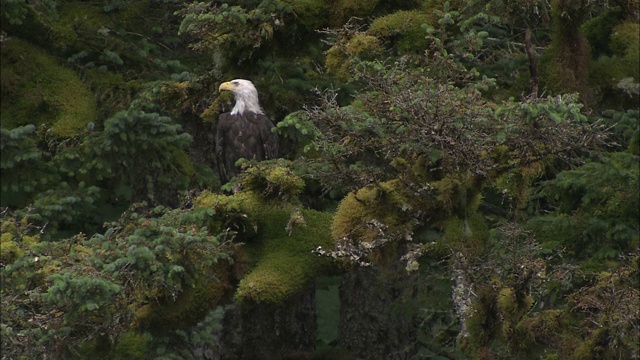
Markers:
point(404, 29)
point(96, 349)
point(598, 31)
point(277, 276)
point(390, 203)
point(36, 89)
point(360, 45)
point(133, 346)
point(510, 306)
point(9, 249)
point(278, 258)
point(343, 10)
point(84, 16)
point(625, 38)
point(311, 13)
point(190, 306)
point(595, 346)
point(364, 46)
point(468, 235)
point(565, 63)
point(483, 321)
point(284, 264)
point(516, 184)
point(337, 62)
point(539, 328)
point(275, 180)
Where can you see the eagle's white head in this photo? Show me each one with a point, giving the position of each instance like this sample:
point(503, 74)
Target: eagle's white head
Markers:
point(245, 94)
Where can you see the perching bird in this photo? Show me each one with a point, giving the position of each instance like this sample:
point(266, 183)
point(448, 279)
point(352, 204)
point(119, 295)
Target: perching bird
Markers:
point(245, 132)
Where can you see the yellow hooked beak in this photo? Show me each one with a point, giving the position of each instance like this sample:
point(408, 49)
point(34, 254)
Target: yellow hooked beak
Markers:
point(227, 86)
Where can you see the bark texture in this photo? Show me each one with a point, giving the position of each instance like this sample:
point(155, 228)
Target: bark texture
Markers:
point(371, 323)
point(269, 331)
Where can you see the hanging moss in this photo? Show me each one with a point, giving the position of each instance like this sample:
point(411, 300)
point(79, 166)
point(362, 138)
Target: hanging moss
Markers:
point(515, 184)
point(512, 307)
point(458, 193)
point(284, 263)
point(483, 323)
point(37, 90)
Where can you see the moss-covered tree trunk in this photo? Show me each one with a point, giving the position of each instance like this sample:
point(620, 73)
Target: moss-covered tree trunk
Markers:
point(372, 324)
point(270, 331)
point(570, 55)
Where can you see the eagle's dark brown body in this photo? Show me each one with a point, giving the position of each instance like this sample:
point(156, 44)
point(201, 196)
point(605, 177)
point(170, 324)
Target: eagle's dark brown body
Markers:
point(247, 135)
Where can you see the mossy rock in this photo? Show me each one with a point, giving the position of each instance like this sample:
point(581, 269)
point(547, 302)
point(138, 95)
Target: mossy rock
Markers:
point(37, 90)
point(404, 29)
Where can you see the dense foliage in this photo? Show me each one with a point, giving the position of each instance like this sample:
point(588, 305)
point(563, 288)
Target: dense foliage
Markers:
point(484, 152)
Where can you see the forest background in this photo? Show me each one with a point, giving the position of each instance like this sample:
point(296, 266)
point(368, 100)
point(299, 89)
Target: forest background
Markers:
point(481, 156)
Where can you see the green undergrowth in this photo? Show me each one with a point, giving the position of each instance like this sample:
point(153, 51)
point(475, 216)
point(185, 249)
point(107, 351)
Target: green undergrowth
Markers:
point(190, 306)
point(37, 90)
point(278, 236)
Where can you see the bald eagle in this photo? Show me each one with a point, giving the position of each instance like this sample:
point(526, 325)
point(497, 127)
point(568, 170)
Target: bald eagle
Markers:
point(244, 132)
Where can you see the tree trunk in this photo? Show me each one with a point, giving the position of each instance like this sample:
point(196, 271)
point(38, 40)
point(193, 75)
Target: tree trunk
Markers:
point(372, 324)
point(269, 331)
point(533, 63)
